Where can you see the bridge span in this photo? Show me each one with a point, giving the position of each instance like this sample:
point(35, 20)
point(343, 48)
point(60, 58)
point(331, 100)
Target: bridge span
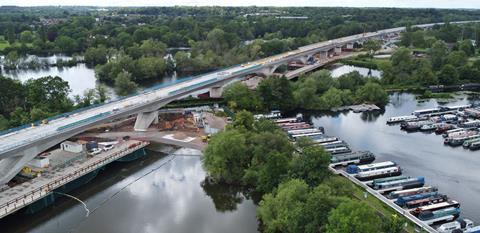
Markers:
point(18, 147)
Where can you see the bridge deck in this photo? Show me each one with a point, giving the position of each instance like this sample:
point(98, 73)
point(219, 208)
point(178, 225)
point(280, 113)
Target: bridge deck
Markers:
point(19, 196)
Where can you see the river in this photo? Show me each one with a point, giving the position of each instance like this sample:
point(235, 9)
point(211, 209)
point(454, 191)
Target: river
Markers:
point(454, 171)
point(154, 194)
point(161, 193)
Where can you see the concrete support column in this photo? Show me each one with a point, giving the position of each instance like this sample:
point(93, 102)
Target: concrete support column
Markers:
point(323, 55)
point(268, 71)
point(338, 50)
point(350, 46)
point(145, 119)
point(216, 92)
point(11, 166)
point(304, 59)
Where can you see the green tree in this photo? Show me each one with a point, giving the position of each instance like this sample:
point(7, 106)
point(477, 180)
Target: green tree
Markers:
point(448, 75)
point(276, 94)
point(320, 202)
point(457, 58)
point(95, 56)
point(424, 74)
point(353, 216)
point(124, 84)
point(12, 60)
point(395, 224)
point(283, 210)
point(372, 93)
point(149, 68)
point(153, 48)
point(226, 156)
point(438, 53)
point(272, 152)
point(38, 114)
point(467, 47)
point(4, 124)
point(402, 61)
point(13, 95)
point(242, 97)
point(27, 37)
point(66, 44)
point(243, 120)
point(48, 93)
point(332, 98)
point(351, 81)
point(311, 164)
point(372, 46)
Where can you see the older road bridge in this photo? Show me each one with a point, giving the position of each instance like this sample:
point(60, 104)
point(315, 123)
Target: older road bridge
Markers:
point(19, 146)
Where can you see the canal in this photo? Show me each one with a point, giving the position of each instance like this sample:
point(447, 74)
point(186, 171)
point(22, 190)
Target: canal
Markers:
point(157, 193)
point(454, 171)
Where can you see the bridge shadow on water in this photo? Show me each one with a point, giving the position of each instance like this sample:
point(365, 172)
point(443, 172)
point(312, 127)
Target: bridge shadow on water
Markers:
point(111, 175)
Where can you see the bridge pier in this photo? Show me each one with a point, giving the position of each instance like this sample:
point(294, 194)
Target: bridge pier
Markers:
point(11, 166)
point(338, 50)
point(304, 59)
point(145, 119)
point(323, 55)
point(268, 71)
point(216, 92)
point(350, 46)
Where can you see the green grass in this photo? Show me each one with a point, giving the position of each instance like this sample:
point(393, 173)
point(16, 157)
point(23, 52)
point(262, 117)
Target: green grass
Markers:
point(382, 208)
point(4, 44)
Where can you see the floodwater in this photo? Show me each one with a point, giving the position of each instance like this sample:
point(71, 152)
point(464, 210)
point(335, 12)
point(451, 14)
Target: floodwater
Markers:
point(154, 194)
point(455, 171)
point(79, 77)
point(339, 70)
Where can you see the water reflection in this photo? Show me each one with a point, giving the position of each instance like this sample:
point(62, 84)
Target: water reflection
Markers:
point(79, 77)
point(339, 70)
point(454, 170)
point(153, 194)
point(225, 198)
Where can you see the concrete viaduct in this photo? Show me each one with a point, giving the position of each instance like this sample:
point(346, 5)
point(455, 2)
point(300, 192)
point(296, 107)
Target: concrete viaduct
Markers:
point(18, 147)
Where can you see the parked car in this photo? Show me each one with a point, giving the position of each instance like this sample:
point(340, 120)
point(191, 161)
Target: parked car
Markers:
point(94, 151)
point(108, 147)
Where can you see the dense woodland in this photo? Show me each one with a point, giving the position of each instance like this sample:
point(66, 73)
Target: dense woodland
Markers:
point(135, 46)
point(132, 46)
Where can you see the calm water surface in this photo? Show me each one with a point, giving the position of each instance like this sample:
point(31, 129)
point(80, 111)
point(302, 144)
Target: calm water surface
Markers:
point(339, 70)
point(155, 194)
point(455, 171)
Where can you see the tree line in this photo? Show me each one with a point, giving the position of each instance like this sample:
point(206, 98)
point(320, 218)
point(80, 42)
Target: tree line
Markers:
point(299, 193)
point(315, 91)
point(38, 99)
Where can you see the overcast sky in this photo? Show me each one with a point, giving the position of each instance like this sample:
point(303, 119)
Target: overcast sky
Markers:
point(351, 3)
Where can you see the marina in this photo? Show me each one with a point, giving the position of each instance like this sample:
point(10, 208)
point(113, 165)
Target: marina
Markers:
point(384, 179)
point(418, 154)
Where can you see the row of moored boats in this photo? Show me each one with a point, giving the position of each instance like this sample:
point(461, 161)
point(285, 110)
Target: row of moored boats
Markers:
point(411, 193)
point(459, 125)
